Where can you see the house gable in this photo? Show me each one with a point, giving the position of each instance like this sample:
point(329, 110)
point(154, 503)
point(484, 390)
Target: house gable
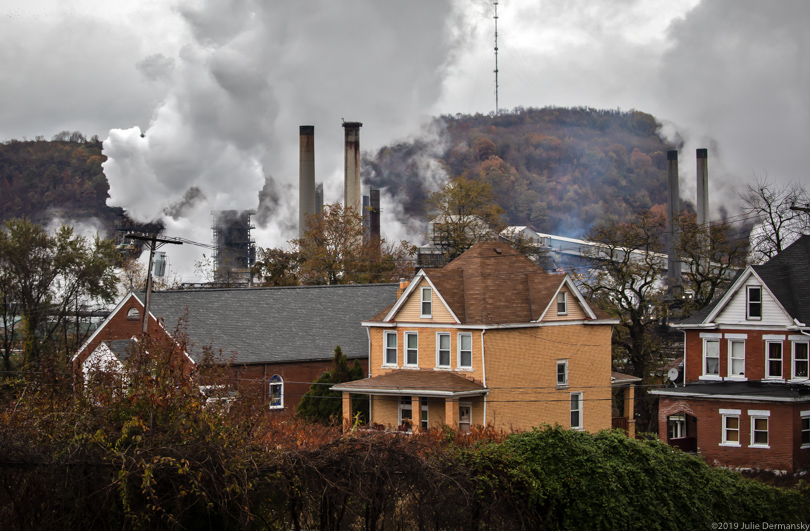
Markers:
point(733, 308)
point(576, 309)
point(409, 306)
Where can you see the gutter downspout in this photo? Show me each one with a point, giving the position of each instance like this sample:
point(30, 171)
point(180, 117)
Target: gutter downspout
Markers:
point(370, 399)
point(484, 367)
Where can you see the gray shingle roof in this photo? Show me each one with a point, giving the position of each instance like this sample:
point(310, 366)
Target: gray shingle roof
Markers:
point(275, 325)
point(787, 275)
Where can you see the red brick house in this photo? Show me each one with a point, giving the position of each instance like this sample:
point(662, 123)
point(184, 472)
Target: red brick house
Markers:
point(278, 340)
point(489, 339)
point(746, 398)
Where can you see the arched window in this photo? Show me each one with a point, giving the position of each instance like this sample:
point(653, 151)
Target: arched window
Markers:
point(276, 392)
point(133, 314)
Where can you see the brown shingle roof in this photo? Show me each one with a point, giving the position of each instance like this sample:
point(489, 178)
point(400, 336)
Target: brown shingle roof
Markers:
point(424, 382)
point(492, 283)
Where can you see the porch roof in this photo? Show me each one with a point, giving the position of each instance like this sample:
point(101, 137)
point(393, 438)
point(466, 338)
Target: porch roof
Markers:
point(415, 382)
point(750, 391)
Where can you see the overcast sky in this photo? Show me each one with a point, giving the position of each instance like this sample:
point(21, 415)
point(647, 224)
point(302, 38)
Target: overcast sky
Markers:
point(219, 87)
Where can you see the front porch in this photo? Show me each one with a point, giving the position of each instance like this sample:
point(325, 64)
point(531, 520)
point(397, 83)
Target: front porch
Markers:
point(415, 400)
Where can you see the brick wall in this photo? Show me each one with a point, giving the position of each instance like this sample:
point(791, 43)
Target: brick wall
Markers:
point(521, 367)
point(784, 433)
point(754, 353)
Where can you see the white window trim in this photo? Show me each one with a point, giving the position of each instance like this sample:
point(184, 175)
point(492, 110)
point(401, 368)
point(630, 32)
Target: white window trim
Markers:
point(422, 302)
point(458, 360)
point(731, 341)
point(579, 394)
point(449, 351)
point(557, 373)
point(564, 302)
point(385, 362)
point(704, 375)
point(279, 383)
point(754, 415)
point(803, 415)
point(769, 340)
point(406, 349)
point(793, 344)
point(724, 414)
point(748, 303)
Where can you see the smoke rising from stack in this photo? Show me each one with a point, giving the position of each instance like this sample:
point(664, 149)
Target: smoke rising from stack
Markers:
point(250, 75)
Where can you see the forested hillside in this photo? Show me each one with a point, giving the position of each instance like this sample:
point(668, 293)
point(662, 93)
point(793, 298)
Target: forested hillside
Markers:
point(41, 179)
point(557, 169)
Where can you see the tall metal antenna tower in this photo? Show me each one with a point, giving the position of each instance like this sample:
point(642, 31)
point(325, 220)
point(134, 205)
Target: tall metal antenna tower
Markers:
point(496, 58)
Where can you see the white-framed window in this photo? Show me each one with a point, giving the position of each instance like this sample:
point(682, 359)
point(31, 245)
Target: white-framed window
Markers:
point(753, 306)
point(390, 349)
point(805, 427)
point(711, 357)
point(443, 350)
point(736, 358)
point(576, 411)
point(730, 435)
point(562, 303)
point(773, 361)
point(801, 362)
point(465, 350)
point(406, 417)
point(562, 372)
point(676, 426)
point(426, 306)
point(759, 428)
point(276, 392)
point(411, 349)
point(133, 314)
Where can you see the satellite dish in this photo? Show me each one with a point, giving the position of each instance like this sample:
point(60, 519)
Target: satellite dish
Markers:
point(672, 374)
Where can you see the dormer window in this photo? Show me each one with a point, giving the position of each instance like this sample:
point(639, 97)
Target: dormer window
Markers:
point(754, 303)
point(427, 302)
point(562, 303)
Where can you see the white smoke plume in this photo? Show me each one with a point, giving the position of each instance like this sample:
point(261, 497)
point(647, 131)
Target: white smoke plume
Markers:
point(253, 72)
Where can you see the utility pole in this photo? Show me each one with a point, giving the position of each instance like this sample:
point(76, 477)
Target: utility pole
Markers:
point(152, 242)
point(496, 59)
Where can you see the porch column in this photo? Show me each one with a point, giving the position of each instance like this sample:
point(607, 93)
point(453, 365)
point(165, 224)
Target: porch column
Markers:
point(416, 414)
point(347, 412)
point(451, 412)
point(630, 410)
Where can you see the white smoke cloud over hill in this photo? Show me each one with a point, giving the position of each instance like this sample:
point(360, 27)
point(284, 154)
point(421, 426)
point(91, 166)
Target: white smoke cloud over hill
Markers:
point(250, 75)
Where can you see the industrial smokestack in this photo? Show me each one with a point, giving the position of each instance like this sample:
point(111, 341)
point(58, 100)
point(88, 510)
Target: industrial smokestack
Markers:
point(374, 214)
point(306, 176)
point(702, 187)
point(353, 193)
point(673, 211)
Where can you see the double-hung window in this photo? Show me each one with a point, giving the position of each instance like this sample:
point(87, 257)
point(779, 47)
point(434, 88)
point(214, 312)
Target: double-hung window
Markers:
point(711, 357)
point(753, 303)
point(426, 306)
point(411, 349)
point(562, 303)
point(465, 350)
point(773, 362)
point(576, 411)
point(800, 360)
point(562, 372)
point(276, 392)
point(730, 435)
point(805, 427)
point(759, 428)
point(390, 354)
point(736, 355)
point(443, 350)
